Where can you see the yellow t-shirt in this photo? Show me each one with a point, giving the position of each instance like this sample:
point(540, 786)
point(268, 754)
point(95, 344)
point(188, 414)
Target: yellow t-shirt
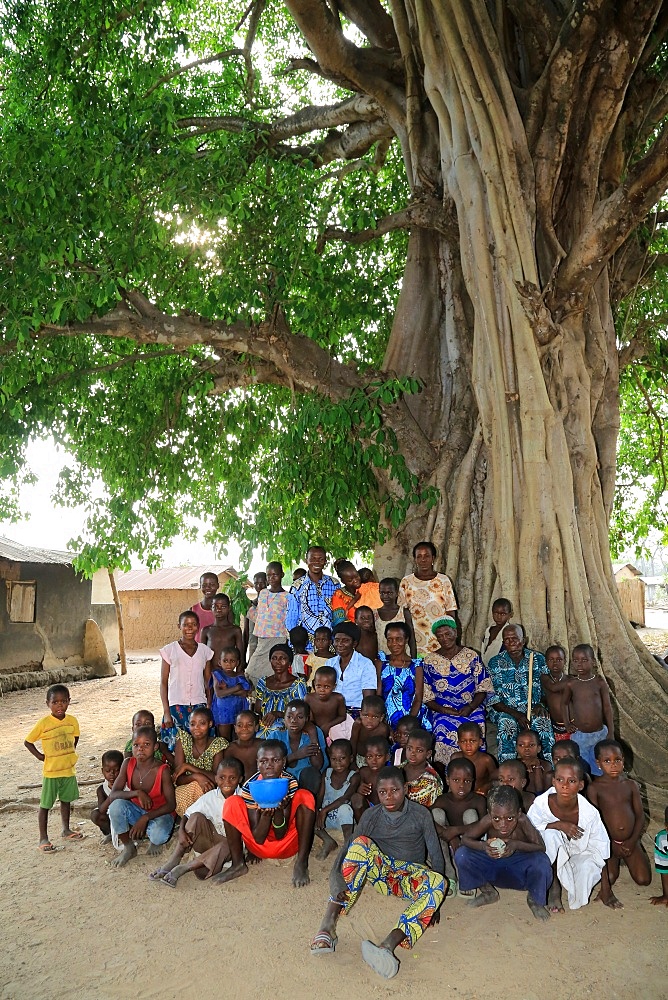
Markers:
point(57, 736)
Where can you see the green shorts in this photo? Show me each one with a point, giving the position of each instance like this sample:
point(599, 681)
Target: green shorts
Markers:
point(65, 789)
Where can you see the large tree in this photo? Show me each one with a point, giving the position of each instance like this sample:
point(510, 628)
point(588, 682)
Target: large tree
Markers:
point(201, 263)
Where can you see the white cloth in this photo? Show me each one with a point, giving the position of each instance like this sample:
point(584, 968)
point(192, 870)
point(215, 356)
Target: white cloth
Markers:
point(211, 806)
point(359, 675)
point(579, 862)
point(185, 685)
point(106, 788)
point(495, 646)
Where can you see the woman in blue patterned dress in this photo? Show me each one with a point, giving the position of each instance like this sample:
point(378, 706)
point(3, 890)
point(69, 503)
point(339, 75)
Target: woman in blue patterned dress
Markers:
point(456, 684)
point(401, 678)
point(272, 694)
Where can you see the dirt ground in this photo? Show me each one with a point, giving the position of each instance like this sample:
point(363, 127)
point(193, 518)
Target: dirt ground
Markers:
point(73, 926)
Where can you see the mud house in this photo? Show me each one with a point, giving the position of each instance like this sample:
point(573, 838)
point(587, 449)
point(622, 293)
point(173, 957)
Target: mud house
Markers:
point(45, 608)
point(152, 602)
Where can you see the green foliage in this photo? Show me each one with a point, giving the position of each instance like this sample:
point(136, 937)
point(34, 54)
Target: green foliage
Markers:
point(239, 601)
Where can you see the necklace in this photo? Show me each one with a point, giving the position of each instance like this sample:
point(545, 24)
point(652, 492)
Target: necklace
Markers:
point(142, 777)
point(584, 680)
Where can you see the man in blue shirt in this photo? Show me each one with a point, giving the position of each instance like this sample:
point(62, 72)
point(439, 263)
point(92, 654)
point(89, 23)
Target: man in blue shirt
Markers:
point(310, 603)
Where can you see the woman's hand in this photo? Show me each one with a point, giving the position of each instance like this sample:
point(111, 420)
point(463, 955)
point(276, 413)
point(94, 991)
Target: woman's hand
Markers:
point(270, 718)
point(204, 783)
point(144, 799)
point(177, 772)
point(138, 831)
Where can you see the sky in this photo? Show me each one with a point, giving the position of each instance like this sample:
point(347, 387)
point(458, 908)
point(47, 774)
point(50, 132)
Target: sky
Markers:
point(49, 527)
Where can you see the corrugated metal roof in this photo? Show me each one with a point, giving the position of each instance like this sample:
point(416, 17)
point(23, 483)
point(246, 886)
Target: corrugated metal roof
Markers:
point(177, 578)
point(26, 554)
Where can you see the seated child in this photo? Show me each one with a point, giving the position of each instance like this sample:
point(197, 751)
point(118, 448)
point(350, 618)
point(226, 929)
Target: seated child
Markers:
point(197, 754)
point(337, 787)
point(142, 802)
point(322, 651)
point(405, 726)
point(469, 740)
point(455, 811)
point(368, 644)
point(569, 748)
point(539, 770)
point(299, 641)
point(661, 863)
point(575, 839)
point(514, 773)
point(617, 798)
point(270, 833)
point(201, 830)
point(246, 744)
point(58, 733)
point(377, 756)
point(112, 761)
point(586, 707)
point(145, 718)
point(396, 829)
point(304, 745)
point(553, 684)
point(512, 857)
point(231, 689)
point(371, 723)
point(423, 784)
point(328, 707)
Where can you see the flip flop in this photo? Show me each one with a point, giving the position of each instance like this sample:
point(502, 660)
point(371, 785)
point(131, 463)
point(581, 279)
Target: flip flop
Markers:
point(168, 880)
point(329, 940)
point(157, 876)
point(75, 835)
point(47, 848)
point(452, 887)
point(380, 960)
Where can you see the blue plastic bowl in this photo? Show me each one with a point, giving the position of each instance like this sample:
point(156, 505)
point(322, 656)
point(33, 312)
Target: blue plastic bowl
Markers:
point(269, 792)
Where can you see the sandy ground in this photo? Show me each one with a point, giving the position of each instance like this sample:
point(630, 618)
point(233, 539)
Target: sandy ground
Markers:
point(73, 926)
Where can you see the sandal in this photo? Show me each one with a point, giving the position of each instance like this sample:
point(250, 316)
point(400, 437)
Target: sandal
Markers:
point(324, 938)
point(169, 880)
point(380, 960)
point(47, 848)
point(73, 835)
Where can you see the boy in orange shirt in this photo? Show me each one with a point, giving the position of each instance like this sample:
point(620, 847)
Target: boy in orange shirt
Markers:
point(59, 735)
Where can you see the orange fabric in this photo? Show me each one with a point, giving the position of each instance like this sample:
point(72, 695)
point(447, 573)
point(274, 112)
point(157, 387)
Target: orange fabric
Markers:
point(235, 813)
point(370, 596)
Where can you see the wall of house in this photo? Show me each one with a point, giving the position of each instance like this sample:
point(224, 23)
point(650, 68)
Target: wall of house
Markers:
point(151, 617)
point(62, 607)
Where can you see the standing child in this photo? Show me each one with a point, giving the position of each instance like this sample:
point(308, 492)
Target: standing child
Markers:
point(249, 635)
point(246, 744)
point(391, 613)
point(231, 690)
point(661, 863)
point(346, 598)
point(422, 781)
point(59, 735)
point(492, 641)
point(269, 625)
point(377, 756)
point(576, 841)
point(299, 642)
point(586, 701)
point(223, 633)
point(142, 800)
point(322, 651)
point(112, 761)
point(208, 584)
point(469, 740)
point(539, 770)
point(184, 678)
point(328, 708)
point(337, 787)
point(368, 644)
point(553, 684)
point(617, 798)
point(370, 724)
point(369, 589)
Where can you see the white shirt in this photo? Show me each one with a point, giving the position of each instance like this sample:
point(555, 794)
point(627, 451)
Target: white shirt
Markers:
point(210, 805)
point(358, 676)
point(185, 685)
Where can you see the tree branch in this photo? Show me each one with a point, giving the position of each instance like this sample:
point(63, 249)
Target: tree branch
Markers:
point(373, 21)
point(427, 214)
point(217, 57)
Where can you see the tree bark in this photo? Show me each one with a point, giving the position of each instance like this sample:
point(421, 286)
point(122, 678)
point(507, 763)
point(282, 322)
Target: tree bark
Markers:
point(119, 619)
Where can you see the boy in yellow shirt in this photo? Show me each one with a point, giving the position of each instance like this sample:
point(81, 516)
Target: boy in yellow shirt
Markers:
point(59, 734)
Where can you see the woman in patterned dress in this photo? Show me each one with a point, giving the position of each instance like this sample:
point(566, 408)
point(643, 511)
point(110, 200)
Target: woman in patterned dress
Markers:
point(401, 679)
point(428, 595)
point(456, 684)
point(272, 694)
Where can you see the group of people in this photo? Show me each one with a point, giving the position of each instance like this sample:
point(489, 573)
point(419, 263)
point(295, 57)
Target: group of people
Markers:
point(375, 717)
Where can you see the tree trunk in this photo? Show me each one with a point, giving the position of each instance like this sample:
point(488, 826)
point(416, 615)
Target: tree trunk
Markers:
point(119, 619)
point(520, 404)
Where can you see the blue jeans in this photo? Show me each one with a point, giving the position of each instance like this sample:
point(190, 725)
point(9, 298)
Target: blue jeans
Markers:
point(123, 814)
point(530, 871)
point(587, 742)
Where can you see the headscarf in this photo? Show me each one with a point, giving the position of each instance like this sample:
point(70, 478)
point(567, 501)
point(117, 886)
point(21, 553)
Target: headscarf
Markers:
point(446, 620)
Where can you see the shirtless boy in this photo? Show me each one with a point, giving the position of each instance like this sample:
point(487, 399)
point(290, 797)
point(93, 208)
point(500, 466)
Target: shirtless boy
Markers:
point(223, 632)
point(539, 770)
point(377, 756)
point(586, 707)
point(553, 684)
point(371, 723)
point(515, 774)
point(246, 744)
point(368, 644)
point(617, 798)
point(469, 738)
point(460, 805)
point(328, 708)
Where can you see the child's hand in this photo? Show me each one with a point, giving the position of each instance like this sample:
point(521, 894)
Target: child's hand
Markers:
point(168, 720)
point(139, 829)
point(184, 838)
point(144, 799)
point(313, 749)
point(493, 851)
point(365, 788)
point(572, 830)
point(321, 819)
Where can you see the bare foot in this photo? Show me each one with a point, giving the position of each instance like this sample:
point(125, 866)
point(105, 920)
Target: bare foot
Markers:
point(154, 850)
point(554, 903)
point(659, 900)
point(127, 854)
point(236, 871)
point(539, 912)
point(488, 894)
point(252, 859)
point(300, 875)
point(72, 834)
point(610, 901)
point(328, 845)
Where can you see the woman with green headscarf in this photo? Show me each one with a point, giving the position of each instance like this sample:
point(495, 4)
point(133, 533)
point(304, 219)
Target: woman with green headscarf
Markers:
point(456, 684)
